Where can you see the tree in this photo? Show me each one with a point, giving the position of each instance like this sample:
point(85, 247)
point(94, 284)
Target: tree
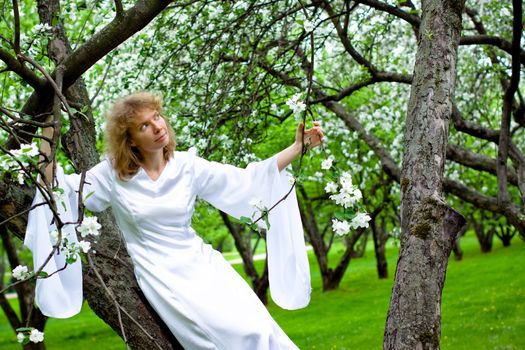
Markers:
point(428, 225)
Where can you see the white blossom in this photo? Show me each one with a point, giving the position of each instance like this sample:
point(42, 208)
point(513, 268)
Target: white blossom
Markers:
point(85, 246)
point(331, 187)
point(295, 104)
point(340, 227)
point(346, 178)
point(54, 236)
point(20, 337)
point(21, 272)
point(70, 250)
point(308, 25)
point(31, 150)
point(257, 203)
point(89, 226)
point(36, 336)
point(327, 163)
point(20, 177)
point(360, 220)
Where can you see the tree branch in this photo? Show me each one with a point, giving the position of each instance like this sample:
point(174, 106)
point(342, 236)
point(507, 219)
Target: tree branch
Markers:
point(22, 71)
point(493, 41)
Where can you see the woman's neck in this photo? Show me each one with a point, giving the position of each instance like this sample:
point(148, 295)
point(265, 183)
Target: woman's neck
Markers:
point(153, 164)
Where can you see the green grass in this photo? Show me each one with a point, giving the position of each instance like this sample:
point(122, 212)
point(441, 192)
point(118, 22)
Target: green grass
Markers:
point(483, 308)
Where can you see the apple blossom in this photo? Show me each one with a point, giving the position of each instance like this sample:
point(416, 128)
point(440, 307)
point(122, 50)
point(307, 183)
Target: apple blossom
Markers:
point(308, 25)
point(89, 226)
point(21, 272)
point(36, 336)
point(327, 163)
point(340, 227)
point(360, 220)
point(20, 337)
point(85, 246)
point(331, 187)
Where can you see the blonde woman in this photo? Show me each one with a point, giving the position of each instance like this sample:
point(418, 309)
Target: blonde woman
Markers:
point(152, 189)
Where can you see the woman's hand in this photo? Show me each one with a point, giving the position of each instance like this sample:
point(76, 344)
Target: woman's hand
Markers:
point(312, 137)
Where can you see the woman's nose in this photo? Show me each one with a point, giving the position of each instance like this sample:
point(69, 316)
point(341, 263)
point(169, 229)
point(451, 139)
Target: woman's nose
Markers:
point(156, 126)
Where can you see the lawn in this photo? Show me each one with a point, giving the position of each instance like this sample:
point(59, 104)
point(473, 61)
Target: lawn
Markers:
point(483, 308)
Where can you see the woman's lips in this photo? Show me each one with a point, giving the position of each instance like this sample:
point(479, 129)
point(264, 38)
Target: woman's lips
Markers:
point(161, 138)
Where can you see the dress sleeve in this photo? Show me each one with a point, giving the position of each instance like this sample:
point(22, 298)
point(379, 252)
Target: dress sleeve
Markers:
point(230, 189)
point(60, 295)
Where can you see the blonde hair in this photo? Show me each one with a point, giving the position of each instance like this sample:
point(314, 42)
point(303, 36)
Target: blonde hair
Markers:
point(126, 159)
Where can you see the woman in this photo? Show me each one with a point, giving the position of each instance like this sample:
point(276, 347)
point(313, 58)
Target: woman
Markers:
point(152, 191)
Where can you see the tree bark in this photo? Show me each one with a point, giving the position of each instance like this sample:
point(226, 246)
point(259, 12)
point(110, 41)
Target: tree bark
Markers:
point(379, 237)
point(428, 226)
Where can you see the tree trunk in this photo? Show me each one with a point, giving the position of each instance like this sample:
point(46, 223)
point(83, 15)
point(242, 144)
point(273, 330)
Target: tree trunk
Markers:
point(485, 237)
point(428, 226)
point(378, 234)
point(458, 253)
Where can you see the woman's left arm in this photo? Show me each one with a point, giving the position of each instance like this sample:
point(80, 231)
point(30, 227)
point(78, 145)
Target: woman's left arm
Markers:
point(312, 137)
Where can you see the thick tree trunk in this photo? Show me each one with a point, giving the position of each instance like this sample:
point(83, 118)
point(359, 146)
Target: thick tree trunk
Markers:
point(456, 248)
point(484, 235)
point(378, 234)
point(428, 226)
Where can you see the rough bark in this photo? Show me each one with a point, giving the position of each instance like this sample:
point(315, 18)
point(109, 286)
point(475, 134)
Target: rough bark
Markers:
point(428, 226)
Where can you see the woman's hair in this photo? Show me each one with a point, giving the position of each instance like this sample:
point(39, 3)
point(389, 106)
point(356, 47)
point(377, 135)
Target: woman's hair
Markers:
point(126, 159)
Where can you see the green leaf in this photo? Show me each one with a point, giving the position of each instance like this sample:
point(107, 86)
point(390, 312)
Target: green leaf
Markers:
point(266, 220)
point(89, 195)
point(245, 220)
point(340, 215)
point(25, 329)
point(43, 274)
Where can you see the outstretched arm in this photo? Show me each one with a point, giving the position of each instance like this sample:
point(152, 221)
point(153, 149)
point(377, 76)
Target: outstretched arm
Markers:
point(312, 138)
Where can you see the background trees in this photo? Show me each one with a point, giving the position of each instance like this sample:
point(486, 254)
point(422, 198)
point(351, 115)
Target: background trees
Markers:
point(226, 70)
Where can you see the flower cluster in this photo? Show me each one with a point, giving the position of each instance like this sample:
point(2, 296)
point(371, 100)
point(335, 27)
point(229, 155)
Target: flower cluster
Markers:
point(26, 335)
point(348, 195)
point(19, 160)
point(261, 211)
point(21, 272)
point(343, 192)
point(295, 104)
point(89, 226)
point(71, 250)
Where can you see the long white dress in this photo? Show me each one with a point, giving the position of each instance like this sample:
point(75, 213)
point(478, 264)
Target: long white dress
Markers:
point(204, 302)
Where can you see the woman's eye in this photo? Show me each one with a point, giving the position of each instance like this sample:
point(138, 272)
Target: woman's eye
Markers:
point(157, 116)
point(143, 127)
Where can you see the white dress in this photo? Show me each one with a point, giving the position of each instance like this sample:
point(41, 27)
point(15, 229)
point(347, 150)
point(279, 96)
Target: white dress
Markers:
point(204, 302)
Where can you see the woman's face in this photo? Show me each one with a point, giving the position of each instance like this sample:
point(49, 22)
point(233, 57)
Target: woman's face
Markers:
point(148, 131)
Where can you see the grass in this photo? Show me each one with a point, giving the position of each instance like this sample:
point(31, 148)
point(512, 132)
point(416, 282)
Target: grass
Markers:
point(483, 308)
